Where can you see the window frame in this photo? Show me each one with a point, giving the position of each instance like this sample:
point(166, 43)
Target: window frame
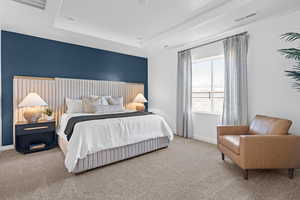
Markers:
point(211, 92)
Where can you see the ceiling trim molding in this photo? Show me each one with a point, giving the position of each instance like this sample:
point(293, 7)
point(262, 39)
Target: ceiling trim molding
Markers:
point(202, 15)
point(191, 22)
point(229, 32)
point(215, 13)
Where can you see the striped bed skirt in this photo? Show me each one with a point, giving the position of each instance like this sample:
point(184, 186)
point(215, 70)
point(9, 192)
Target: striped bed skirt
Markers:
point(109, 156)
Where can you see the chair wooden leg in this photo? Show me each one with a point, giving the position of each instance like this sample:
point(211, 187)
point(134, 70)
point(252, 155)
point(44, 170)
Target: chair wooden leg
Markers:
point(223, 156)
point(246, 174)
point(291, 173)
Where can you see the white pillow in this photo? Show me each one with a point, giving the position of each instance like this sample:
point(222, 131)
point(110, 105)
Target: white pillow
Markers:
point(108, 108)
point(74, 105)
point(115, 100)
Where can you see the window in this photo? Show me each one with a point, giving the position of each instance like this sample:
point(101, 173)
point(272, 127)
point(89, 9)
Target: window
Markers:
point(208, 85)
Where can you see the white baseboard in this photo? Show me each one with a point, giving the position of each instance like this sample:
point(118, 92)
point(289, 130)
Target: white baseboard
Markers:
point(7, 147)
point(206, 139)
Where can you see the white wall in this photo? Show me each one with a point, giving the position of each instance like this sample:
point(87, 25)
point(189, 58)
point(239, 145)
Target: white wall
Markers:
point(204, 125)
point(162, 84)
point(214, 49)
point(269, 89)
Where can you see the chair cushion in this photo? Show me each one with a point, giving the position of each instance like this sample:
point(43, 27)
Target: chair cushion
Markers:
point(263, 125)
point(232, 142)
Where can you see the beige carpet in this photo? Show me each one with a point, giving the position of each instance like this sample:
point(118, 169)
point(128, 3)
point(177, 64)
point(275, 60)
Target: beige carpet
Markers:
point(186, 170)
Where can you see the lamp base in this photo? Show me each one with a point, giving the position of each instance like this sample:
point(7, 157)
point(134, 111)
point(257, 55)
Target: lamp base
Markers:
point(32, 115)
point(140, 107)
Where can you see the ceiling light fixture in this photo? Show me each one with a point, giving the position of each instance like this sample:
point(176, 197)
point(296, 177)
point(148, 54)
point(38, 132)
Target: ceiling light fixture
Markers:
point(246, 17)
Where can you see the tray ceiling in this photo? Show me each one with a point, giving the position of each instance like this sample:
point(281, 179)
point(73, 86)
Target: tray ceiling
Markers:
point(131, 21)
point(134, 26)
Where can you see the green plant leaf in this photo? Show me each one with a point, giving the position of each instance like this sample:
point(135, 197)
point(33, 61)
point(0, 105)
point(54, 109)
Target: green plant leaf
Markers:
point(295, 75)
point(291, 36)
point(291, 53)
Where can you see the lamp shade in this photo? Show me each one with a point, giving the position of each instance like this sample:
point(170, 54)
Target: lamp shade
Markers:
point(140, 98)
point(32, 99)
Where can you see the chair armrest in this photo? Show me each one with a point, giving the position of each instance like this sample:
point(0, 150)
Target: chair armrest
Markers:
point(232, 130)
point(270, 151)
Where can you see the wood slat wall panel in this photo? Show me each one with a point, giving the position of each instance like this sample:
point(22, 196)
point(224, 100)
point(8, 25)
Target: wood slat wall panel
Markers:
point(55, 90)
point(78, 88)
point(45, 88)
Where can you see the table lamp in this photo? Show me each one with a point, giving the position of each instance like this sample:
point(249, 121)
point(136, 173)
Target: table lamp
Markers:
point(140, 100)
point(31, 103)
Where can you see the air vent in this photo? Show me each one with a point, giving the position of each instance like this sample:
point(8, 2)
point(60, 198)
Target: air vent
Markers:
point(41, 4)
point(246, 17)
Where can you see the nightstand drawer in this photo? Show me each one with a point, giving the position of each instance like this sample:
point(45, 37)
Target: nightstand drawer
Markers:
point(25, 129)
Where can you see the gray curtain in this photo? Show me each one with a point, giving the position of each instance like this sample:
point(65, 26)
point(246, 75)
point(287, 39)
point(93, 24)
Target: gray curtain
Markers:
point(235, 110)
point(184, 126)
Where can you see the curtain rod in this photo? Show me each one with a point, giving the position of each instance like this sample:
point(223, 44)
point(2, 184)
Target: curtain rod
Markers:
point(208, 43)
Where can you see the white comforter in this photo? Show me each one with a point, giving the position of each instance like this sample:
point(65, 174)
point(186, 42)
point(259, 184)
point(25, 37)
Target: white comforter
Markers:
point(96, 135)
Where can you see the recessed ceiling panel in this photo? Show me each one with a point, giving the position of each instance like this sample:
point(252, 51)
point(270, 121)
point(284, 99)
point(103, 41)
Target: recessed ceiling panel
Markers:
point(222, 20)
point(130, 21)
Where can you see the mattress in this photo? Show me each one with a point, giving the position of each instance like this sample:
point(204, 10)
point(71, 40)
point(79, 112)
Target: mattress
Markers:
point(116, 139)
point(109, 156)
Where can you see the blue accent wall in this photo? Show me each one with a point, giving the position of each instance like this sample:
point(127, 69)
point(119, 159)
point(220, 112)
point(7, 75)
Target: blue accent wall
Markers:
point(25, 55)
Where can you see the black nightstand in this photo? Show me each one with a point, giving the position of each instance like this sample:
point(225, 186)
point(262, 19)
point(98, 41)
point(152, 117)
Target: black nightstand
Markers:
point(33, 137)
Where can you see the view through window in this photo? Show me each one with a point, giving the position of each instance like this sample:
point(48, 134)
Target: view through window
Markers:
point(208, 85)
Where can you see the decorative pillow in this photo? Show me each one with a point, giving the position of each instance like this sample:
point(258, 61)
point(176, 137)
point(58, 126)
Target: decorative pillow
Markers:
point(108, 108)
point(104, 100)
point(89, 103)
point(74, 105)
point(115, 100)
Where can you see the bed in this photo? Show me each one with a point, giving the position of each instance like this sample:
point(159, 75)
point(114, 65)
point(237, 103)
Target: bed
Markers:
point(99, 142)
point(89, 146)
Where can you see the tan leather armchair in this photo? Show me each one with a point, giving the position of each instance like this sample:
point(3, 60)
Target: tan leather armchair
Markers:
point(265, 144)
